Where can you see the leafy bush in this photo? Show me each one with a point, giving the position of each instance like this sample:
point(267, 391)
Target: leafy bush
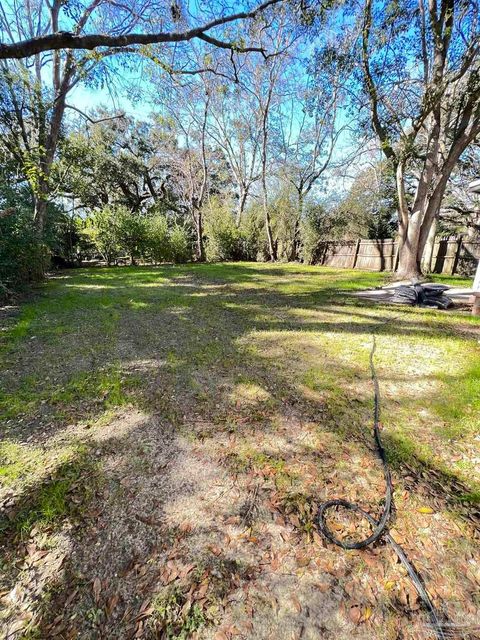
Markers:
point(158, 239)
point(132, 232)
point(72, 241)
point(317, 226)
point(283, 214)
point(179, 244)
point(224, 239)
point(101, 228)
point(23, 256)
point(116, 229)
point(253, 235)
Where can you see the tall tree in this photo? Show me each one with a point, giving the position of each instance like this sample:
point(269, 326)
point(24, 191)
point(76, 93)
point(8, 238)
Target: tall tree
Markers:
point(420, 71)
point(266, 86)
point(310, 125)
point(234, 127)
point(23, 44)
point(117, 160)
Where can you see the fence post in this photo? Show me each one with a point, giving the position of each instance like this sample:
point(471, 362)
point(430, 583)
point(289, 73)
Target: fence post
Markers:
point(396, 255)
point(457, 255)
point(355, 253)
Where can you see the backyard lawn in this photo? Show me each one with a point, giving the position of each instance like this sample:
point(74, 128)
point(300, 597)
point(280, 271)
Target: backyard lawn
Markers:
point(167, 435)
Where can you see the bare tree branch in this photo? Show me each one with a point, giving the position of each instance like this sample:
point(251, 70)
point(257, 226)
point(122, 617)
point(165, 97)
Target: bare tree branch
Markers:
point(92, 120)
point(67, 40)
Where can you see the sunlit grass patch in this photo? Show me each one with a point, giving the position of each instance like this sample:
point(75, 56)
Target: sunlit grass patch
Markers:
point(60, 494)
point(459, 405)
point(107, 385)
point(246, 393)
point(317, 379)
point(233, 397)
point(17, 461)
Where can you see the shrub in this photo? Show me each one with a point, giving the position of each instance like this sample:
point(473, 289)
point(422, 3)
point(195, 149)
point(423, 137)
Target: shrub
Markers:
point(224, 240)
point(283, 215)
point(317, 226)
point(132, 232)
point(70, 240)
point(158, 239)
point(179, 244)
point(102, 230)
point(253, 235)
point(24, 257)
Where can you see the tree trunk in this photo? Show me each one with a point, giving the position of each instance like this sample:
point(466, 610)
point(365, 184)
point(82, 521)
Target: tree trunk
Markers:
point(415, 227)
point(296, 228)
point(241, 205)
point(427, 259)
point(200, 248)
point(409, 262)
point(45, 165)
point(409, 267)
point(272, 249)
point(39, 212)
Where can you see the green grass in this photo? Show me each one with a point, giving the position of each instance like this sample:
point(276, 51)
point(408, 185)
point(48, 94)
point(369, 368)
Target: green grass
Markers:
point(75, 342)
point(60, 495)
point(94, 340)
point(17, 461)
point(171, 615)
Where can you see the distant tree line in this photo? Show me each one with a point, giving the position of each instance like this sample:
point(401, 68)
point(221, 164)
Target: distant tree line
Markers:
point(271, 130)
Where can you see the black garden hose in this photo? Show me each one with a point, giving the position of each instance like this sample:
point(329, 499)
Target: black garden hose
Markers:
point(380, 526)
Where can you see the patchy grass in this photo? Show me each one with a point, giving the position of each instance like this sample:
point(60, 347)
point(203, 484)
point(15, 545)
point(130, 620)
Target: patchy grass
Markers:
point(17, 461)
point(175, 616)
point(55, 498)
point(157, 418)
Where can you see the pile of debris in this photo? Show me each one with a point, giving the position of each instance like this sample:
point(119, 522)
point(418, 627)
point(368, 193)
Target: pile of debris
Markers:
point(423, 295)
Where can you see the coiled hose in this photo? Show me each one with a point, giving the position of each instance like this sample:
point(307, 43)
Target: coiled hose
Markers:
point(380, 526)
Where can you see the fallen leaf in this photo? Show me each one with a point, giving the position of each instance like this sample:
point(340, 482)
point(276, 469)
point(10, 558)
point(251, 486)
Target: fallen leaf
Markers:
point(425, 510)
point(355, 614)
point(214, 549)
point(296, 603)
point(302, 560)
point(367, 614)
point(111, 604)
point(186, 570)
point(323, 587)
point(97, 587)
point(70, 598)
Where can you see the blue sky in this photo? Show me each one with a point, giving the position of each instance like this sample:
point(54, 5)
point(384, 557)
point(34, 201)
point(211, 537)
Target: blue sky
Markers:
point(85, 99)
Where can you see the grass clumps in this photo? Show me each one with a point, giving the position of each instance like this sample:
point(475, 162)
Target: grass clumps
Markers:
point(175, 615)
point(17, 461)
point(63, 495)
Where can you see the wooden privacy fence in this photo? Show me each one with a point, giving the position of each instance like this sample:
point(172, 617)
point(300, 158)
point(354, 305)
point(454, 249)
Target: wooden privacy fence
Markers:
point(450, 255)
